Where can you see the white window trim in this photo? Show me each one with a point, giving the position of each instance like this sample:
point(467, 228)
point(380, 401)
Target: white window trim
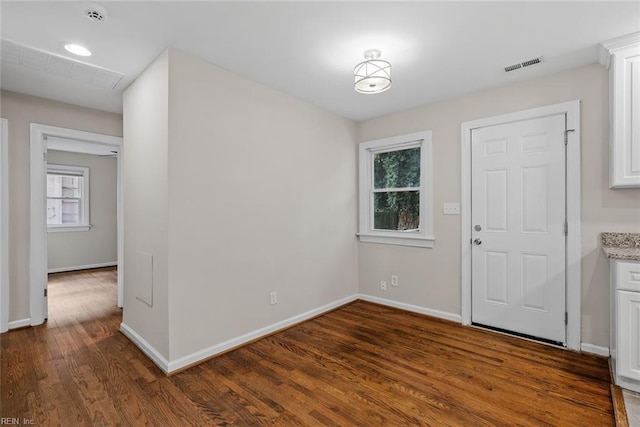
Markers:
point(67, 228)
point(424, 236)
point(84, 210)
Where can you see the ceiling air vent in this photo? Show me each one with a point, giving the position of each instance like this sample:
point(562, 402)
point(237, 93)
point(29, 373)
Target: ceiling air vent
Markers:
point(94, 15)
point(95, 12)
point(532, 62)
point(528, 63)
point(50, 63)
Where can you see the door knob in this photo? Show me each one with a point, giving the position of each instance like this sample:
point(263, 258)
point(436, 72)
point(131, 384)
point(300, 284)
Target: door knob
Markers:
point(477, 242)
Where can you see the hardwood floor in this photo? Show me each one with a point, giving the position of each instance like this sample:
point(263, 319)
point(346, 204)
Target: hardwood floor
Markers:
point(360, 365)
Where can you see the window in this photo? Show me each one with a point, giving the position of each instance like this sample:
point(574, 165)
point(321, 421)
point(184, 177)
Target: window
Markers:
point(67, 198)
point(396, 191)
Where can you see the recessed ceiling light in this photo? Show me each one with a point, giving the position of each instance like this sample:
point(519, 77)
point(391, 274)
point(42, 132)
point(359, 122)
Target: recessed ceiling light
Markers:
point(77, 49)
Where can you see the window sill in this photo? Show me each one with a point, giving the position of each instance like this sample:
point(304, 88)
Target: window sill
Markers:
point(67, 228)
point(398, 240)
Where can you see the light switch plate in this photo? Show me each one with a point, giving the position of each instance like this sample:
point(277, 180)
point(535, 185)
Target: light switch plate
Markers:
point(451, 209)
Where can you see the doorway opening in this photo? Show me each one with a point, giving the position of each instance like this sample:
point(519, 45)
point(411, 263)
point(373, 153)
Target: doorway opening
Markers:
point(81, 215)
point(61, 192)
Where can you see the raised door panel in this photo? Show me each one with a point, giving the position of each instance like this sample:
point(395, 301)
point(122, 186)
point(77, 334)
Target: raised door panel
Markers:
point(496, 200)
point(534, 196)
point(497, 277)
point(535, 281)
point(628, 351)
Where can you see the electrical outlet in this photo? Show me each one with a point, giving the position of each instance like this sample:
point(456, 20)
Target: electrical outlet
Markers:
point(274, 298)
point(394, 280)
point(383, 285)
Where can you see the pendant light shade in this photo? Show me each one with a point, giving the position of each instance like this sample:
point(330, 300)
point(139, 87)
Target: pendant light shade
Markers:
point(372, 75)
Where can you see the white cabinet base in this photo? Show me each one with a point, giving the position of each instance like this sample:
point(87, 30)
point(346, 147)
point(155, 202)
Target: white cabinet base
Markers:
point(620, 381)
point(625, 323)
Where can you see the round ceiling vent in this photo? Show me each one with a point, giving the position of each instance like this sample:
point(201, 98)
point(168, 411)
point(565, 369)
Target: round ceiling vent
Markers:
point(95, 12)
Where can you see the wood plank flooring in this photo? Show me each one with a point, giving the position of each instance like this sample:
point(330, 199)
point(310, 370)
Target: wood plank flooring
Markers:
point(360, 365)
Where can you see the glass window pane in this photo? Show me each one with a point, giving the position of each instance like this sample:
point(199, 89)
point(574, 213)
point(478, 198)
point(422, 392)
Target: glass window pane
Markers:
point(54, 186)
point(70, 211)
point(54, 211)
point(396, 210)
point(63, 186)
point(71, 186)
point(397, 169)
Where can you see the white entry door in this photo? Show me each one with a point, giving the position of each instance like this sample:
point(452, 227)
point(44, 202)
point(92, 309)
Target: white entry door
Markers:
point(518, 227)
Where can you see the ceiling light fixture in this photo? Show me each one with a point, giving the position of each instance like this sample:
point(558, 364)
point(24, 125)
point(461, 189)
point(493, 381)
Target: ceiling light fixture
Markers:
point(77, 49)
point(372, 75)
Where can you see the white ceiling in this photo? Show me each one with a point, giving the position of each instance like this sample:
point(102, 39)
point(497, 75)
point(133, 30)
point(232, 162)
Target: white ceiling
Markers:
point(308, 49)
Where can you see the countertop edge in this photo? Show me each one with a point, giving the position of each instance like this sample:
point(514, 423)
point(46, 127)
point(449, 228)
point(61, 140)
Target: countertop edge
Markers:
point(627, 254)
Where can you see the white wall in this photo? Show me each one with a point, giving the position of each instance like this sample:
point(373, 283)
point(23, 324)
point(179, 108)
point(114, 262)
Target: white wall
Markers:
point(257, 192)
point(431, 277)
point(66, 250)
point(20, 111)
point(146, 203)
point(263, 198)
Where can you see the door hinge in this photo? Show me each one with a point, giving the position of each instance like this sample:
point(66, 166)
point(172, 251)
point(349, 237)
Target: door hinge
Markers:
point(566, 228)
point(44, 156)
point(566, 318)
point(566, 135)
point(45, 292)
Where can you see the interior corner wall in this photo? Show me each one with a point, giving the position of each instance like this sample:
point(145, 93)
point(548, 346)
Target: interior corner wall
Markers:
point(262, 198)
point(98, 245)
point(20, 111)
point(430, 278)
point(146, 206)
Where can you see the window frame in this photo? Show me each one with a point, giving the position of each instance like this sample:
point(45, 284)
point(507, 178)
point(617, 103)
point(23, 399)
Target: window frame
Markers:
point(423, 237)
point(71, 170)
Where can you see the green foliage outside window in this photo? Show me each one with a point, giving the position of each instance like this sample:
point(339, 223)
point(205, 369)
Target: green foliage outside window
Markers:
point(393, 170)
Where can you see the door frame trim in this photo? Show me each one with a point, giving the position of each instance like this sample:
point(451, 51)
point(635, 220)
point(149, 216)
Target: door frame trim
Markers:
point(573, 267)
point(4, 225)
point(38, 239)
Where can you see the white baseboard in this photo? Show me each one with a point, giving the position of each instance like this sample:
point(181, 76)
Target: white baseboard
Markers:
point(409, 307)
point(251, 336)
point(198, 356)
point(19, 323)
point(146, 348)
point(594, 349)
point(82, 267)
point(585, 347)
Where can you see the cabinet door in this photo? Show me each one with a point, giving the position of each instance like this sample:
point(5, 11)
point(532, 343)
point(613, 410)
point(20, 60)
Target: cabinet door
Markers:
point(625, 120)
point(628, 354)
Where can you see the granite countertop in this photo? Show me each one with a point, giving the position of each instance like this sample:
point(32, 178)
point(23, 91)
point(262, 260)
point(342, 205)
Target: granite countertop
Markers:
point(621, 245)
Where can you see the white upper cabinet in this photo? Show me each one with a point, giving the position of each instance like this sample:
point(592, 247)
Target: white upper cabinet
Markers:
point(622, 56)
